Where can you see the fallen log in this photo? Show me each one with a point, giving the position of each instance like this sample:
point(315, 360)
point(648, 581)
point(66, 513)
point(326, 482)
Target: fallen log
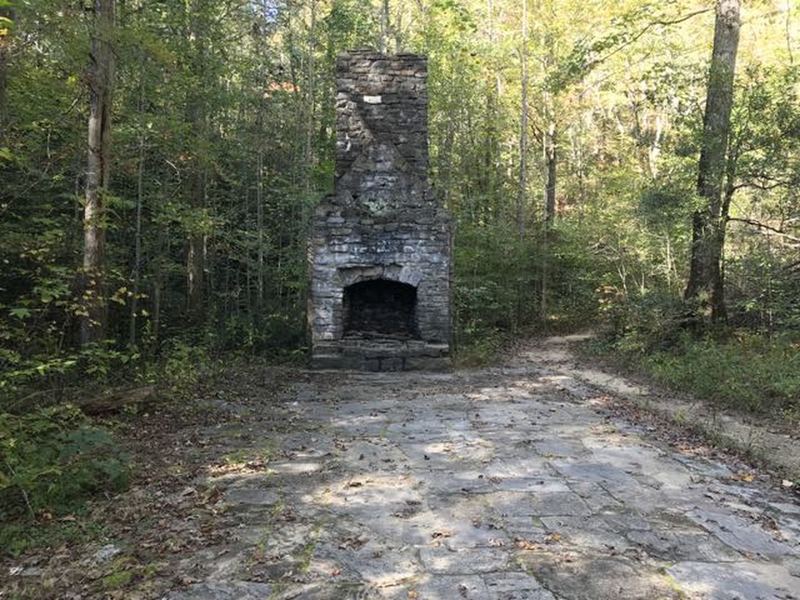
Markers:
point(114, 401)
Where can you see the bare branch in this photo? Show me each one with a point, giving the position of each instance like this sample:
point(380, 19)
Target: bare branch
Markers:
point(765, 227)
point(644, 30)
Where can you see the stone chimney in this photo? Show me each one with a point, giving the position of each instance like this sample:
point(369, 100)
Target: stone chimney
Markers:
point(380, 246)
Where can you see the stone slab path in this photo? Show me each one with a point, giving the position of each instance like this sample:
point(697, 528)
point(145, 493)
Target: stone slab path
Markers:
point(504, 483)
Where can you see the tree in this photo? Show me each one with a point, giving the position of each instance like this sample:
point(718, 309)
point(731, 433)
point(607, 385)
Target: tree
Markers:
point(6, 27)
point(196, 190)
point(522, 192)
point(706, 285)
point(101, 80)
point(223, 123)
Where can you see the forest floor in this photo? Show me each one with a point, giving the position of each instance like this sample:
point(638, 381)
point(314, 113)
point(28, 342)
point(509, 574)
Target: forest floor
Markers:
point(519, 481)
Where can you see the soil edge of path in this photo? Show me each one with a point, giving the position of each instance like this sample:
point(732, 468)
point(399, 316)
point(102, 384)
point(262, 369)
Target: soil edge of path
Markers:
point(777, 451)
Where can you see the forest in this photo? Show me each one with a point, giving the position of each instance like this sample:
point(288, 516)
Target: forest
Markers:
point(627, 167)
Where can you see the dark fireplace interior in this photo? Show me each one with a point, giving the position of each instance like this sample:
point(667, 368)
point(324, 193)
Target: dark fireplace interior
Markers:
point(380, 308)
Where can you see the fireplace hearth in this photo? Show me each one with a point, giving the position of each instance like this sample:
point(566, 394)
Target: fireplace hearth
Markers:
point(380, 245)
point(380, 307)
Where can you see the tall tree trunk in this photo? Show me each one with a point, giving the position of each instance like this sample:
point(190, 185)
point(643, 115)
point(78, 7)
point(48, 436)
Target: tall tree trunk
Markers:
point(550, 159)
point(491, 165)
point(195, 255)
point(101, 78)
point(523, 125)
point(5, 44)
point(196, 113)
point(137, 251)
point(157, 286)
point(654, 148)
point(384, 26)
point(311, 76)
point(706, 281)
point(260, 228)
point(160, 278)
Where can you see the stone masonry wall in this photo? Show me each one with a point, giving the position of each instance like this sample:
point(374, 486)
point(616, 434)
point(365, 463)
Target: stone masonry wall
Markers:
point(383, 220)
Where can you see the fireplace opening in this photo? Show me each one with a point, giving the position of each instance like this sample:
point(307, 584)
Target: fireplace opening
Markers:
point(380, 308)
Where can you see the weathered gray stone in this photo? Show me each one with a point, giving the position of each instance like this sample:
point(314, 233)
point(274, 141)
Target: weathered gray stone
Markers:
point(541, 486)
point(515, 586)
point(106, 553)
point(380, 244)
point(597, 578)
point(736, 581)
point(567, 504)
point(224, 590)
point(448, 586)
point(445, 560)
point(745, 536)
point(683, 545)
point(426, 363)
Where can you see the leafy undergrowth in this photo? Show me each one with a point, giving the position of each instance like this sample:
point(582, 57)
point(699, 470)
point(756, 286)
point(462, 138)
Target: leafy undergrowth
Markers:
point(129, 544)
point(477, 346)
point(742, 372)
point(53, 460)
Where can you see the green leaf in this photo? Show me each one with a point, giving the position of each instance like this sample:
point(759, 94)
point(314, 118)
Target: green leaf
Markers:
point(20, 313)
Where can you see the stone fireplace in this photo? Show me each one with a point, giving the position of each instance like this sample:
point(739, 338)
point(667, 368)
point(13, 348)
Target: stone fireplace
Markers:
point(380, 244)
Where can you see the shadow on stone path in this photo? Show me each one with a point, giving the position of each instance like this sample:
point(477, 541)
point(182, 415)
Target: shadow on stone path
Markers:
point(505, 483)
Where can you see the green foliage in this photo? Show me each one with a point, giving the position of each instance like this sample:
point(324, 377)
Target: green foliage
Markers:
point(94, 363)
point(490, 271)
point(647, 323)
point(741, 371)
point(478, 346)
point(53, 459)
point(179, 367)
point(279, 335)
point(224, 128)
point(117, 579)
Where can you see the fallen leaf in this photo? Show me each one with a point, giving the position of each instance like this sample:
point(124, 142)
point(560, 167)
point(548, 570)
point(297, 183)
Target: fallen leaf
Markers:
point(524, 544)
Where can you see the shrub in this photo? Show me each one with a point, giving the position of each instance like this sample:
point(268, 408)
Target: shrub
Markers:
point(476, 345)
point(742, 371)
point(53, 459)
point(747, 372)
point(179, 367)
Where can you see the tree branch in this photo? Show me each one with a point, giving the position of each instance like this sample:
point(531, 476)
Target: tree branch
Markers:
point(765, 227)
point(592, 64)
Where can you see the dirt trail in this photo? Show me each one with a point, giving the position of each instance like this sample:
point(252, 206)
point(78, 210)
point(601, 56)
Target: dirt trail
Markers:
point(514, 482)
point(753, 436)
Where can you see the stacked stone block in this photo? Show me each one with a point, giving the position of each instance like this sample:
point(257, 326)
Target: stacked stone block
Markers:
point(383, 221)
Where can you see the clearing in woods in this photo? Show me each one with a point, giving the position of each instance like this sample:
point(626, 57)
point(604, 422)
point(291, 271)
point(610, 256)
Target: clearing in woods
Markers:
point(512, 482)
